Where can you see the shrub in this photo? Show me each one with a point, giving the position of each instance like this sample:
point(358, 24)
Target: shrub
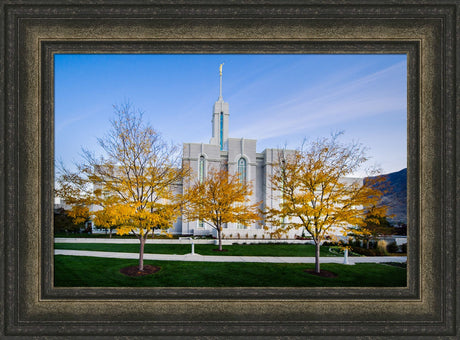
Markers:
point(393, 247)
point(364, 251)
point(330, 244)
point(404, 248)
point(372, 244)
point(355, 243)
point(255, 236)
point(382, 247)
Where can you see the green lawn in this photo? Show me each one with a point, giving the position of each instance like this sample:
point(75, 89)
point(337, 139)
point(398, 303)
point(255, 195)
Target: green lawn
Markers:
point(306, 250)
point(82, 271)
point(106, 236)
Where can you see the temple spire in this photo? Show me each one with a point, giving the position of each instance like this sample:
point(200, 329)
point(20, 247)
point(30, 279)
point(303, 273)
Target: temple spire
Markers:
point(220, 119)
point(220, 75)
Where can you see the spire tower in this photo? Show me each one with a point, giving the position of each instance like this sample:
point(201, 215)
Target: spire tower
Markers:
point(220, 76)
point(220, 118)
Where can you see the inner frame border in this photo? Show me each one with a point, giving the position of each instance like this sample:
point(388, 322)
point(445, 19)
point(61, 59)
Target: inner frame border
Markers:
point(410, 48)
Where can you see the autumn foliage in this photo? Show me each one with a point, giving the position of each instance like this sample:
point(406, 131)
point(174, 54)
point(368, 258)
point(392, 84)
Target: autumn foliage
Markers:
point(313, 194)
point(219, 199)
point(131, 187)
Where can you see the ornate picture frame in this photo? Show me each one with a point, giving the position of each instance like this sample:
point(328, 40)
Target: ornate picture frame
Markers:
point(33, 31)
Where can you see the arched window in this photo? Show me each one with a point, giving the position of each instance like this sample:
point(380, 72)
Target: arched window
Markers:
point(201, 169)
point(201, 166)
point(221, 130)
point(283, 174)
point(242, 174)
point(283, 179)
point(242, 169)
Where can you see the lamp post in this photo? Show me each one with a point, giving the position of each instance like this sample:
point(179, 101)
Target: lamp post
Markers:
point(345, 256)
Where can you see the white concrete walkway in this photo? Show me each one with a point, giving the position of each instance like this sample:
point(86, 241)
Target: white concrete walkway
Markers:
point(223, 258)
point(185, 240)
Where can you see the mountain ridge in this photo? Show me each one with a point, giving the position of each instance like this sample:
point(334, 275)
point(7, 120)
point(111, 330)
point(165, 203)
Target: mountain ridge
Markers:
point(395, 196)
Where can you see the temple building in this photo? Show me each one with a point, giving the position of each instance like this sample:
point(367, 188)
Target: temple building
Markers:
point(238, 155)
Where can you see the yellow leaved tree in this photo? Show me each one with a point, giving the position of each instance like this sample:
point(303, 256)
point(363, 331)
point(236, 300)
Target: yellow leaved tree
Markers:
point(375, 224)
point(77, 194)
point(218, 199)
point(131, 186)
point(313, 193)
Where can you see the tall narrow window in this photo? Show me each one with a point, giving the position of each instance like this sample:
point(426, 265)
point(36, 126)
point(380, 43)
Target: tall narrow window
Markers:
point(283, 172)
point(221, 130)
point(242, 169)
point(201, 169)
point(201, 179)
point(242, 175)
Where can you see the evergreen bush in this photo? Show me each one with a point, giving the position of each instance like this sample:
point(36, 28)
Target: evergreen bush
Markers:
point(393, 247)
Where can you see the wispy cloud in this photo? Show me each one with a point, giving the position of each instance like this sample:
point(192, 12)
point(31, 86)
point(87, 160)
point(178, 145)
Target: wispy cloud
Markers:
point(69, 121)
point(64, 120)
point(329, 103)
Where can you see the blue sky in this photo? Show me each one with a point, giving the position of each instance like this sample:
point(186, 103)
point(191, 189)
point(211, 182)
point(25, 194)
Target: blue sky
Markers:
point(277, 99)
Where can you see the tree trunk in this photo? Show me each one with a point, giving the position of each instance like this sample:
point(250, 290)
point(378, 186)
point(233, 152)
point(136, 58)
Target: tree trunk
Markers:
point(141, 252)
point(220, 238)
point(317, 269)
point(110, 233)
